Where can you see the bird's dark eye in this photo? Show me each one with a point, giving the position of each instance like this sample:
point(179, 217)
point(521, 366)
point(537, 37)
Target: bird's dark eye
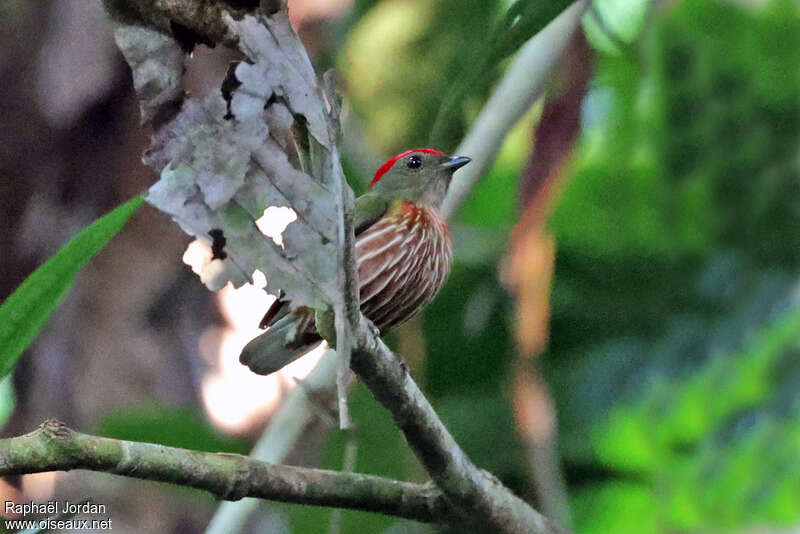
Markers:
point(414, 162)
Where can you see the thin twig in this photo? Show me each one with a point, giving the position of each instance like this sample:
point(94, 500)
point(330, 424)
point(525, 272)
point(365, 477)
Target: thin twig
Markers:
point(348, 466)
point(342, 308)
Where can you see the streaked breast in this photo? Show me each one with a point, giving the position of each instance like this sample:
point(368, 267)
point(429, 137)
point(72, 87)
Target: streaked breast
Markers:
point(403, 261)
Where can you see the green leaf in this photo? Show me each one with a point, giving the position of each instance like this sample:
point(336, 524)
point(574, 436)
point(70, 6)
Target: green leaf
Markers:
point(8, 399)
point(27, 310)
point(523, 20)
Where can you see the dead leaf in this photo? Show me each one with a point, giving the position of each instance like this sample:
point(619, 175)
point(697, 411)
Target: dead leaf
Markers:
point(265, 142)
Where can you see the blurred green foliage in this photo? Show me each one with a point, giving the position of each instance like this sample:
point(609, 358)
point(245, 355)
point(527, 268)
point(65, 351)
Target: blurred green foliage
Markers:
point(521, 21)
point(492, 205)
point(611, 25)
point(417, 71)
point(399, 60)
point(674, 346)
point(168, 425)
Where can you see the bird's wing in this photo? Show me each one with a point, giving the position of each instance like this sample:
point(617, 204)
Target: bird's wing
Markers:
point(369, 208)
point(275, 312)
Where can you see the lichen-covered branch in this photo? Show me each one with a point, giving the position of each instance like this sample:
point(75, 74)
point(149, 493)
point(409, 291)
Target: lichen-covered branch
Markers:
point(54, 447)
point(478, 498)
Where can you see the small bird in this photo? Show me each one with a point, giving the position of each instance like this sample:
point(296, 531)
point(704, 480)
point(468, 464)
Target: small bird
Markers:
point(403, 249)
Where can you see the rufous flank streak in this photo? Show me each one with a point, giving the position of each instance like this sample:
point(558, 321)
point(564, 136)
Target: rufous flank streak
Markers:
point(401, 271)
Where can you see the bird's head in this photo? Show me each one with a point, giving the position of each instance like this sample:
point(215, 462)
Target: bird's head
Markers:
point(421, 175)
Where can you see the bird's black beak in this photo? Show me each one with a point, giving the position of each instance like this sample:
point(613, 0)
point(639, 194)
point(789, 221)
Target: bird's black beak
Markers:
point(456, 162)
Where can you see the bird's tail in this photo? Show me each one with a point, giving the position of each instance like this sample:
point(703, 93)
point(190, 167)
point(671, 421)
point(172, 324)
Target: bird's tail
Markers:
point(287, 339)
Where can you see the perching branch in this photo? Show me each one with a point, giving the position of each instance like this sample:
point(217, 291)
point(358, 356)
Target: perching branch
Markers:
point(54, 447)
point(478, 498)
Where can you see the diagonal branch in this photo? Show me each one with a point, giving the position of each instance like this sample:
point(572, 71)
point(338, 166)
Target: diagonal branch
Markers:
point(55, 447)
point(479, 499)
